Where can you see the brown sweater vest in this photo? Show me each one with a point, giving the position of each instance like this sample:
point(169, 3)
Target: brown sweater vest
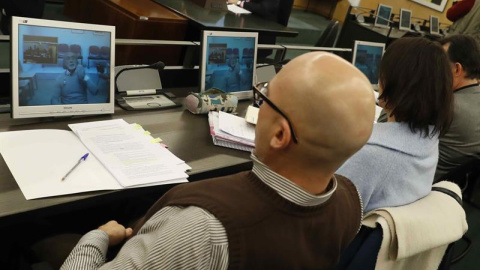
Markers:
point(266, 231)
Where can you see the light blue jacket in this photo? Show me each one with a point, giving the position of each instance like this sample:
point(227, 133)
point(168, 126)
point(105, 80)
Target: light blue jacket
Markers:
point(395, 167)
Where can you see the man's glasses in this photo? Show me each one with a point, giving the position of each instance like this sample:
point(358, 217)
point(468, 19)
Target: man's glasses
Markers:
point(260, 92)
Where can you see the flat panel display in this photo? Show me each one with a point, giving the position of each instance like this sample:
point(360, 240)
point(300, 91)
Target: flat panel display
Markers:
point(228, 62)
point(366, 57)
point(61, 68)
point(383, 16)
point(405, 19)
point(434, 25)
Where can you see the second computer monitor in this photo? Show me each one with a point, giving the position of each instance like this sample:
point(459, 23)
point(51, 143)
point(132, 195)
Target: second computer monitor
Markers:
point(228, 62)
point(366, 57)
point(405, 19)
point(383, 16)
point(434, 25)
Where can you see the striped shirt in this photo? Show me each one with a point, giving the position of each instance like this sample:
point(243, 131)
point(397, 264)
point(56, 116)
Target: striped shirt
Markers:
point(181, 237)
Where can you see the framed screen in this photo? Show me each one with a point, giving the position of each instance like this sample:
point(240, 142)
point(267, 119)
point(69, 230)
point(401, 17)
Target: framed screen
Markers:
point(366, 57)
point(228, 61)
point(434, 25)
point(405, 19)
point(383, 16)
point(61, 68)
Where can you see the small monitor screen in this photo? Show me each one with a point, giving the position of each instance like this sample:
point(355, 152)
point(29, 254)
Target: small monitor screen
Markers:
point(405, 19)
point(61, 68)
point(366, 57)
point(434, 25)
point(383, 16)
point(228, 62)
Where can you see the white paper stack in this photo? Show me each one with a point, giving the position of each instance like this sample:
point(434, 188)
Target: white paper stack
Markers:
point(121, 155)
point(231, 131)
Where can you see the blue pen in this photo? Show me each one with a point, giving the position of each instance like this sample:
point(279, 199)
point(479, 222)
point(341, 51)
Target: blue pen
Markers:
point(76, 165)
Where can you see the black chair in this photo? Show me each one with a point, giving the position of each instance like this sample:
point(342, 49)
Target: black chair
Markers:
point(284, 10)
point(363, 251)
point(467, 176)
point(329, 35)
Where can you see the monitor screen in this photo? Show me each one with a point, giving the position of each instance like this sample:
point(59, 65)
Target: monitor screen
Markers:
point(434, 25)
point(228, 62)
point(405, 19)
point(366, 57)
point(61, 68)
point(383, 16)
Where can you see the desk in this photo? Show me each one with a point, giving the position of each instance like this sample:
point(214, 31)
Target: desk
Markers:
point(203, 18)
point(186, 134)
point(138, 19)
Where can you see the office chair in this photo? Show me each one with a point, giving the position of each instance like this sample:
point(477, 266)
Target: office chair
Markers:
point(284, 10)
point(329, 35)
point(362, 253)
point(467, 176)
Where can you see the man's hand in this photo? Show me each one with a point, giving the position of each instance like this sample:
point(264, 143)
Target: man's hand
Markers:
point(233, 2)
point(80, 71)
point(116, 232)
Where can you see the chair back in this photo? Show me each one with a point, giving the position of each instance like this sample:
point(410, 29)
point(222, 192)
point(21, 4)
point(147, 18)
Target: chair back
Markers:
point(329, 35)
point(284, 10)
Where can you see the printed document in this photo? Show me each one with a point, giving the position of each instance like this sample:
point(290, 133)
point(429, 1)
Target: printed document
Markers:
point(120, 156)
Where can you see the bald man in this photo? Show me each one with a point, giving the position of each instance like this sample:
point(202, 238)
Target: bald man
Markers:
point(289, 212)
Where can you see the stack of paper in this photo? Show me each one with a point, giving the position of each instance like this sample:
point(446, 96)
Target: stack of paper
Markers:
point(237, 10)
point(120, 156)
point(231, 131)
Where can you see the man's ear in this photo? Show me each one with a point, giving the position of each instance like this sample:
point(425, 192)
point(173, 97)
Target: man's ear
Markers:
point(458, 70)
point(282, 135)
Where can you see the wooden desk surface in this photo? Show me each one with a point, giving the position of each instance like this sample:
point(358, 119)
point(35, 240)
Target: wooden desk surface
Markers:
point(147, 9)
point(187, 136)
point(224, 20)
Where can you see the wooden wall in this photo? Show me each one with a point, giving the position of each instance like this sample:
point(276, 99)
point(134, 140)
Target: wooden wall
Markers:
point(417, 9)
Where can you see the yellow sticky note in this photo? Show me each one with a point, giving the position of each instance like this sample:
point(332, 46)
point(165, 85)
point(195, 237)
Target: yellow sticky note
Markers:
point(156, 140)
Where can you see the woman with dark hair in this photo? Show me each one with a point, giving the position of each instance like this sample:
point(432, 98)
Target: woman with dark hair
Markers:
point(397, 165)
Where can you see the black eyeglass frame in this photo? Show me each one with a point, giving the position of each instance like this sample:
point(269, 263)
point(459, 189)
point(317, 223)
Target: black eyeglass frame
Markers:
point(258, 92)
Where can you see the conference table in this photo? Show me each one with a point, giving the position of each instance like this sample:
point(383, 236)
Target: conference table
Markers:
point(186, 135)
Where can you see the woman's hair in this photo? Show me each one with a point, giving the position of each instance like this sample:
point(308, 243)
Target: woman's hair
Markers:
point(416, 79)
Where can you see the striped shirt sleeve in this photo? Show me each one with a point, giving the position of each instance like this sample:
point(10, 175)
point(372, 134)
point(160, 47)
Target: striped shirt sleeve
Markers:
point(173, 238)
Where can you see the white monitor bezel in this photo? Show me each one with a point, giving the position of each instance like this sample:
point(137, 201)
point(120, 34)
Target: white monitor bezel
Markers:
point(203, 63)
point(376, 24)
point(431, 25)
point(58, 110)
point(409, 12)
point(367, 43)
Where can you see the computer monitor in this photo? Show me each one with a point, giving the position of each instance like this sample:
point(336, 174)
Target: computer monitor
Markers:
point(434, 25)
point(61, 68)
point(383, 16)
point(366, 57)
point(405, 19)
point(228, 61)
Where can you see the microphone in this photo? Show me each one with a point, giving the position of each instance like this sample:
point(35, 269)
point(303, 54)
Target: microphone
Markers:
point(158, 66)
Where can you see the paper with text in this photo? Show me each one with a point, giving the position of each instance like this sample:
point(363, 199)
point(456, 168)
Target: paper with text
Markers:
point(128, 154)
point(236, 126)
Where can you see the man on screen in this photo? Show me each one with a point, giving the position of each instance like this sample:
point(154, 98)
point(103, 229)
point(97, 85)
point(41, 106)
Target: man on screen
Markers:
point(73, 84)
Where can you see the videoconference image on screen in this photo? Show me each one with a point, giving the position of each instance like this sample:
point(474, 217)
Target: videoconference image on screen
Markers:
point(230, 63)
point(367, 59)
point(383, 15)
point(70, 66)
